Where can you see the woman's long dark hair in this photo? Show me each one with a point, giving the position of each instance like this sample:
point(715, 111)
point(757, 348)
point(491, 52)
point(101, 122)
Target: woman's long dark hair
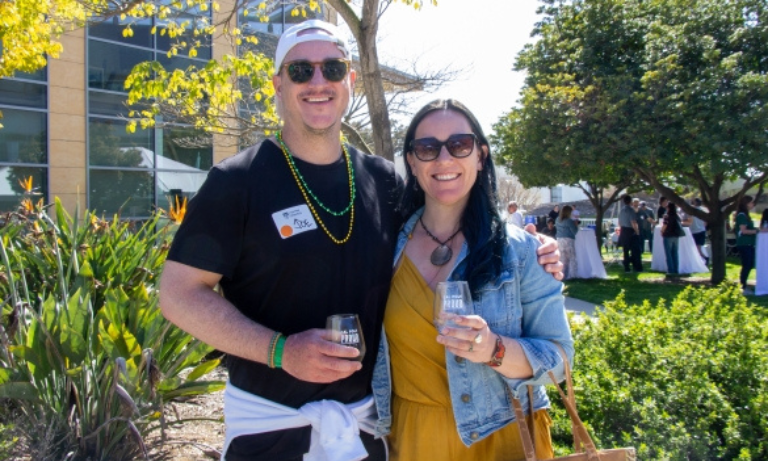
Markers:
point(481, 224)
point(743, 205)
point(672, 209)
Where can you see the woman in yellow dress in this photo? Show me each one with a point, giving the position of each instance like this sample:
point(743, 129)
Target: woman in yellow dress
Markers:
point(447, 395)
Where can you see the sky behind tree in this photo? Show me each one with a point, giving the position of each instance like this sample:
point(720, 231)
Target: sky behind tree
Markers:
point(483, 37)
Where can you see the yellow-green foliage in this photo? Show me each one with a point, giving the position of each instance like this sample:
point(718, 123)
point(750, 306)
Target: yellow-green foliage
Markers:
point(686, 379)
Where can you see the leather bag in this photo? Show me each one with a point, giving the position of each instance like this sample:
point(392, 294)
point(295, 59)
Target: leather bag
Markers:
point(584, 447)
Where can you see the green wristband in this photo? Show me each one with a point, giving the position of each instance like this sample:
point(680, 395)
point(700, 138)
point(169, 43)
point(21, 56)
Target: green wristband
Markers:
point(278, 360)
point(271, 350)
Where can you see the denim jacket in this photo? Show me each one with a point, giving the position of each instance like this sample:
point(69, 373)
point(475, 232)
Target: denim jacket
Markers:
point(532, 312)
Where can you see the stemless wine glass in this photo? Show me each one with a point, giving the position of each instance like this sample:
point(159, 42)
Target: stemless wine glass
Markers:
point(345, 330)
point(451, 299)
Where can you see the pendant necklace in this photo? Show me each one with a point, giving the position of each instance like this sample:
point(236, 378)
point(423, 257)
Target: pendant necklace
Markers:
point(443, 253)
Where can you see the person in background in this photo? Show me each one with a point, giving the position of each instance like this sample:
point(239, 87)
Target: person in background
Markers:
point(449, 388)
point(698, 230)
point(554, 213)
point(616, 236)
point(566, 241)
point(662, 210)
point(550, 230)
point(576, 215)
point(671, 230)
point(629, 238)
point(645, 223)
point(745, 240)
point(764, 221)
point(514, 217)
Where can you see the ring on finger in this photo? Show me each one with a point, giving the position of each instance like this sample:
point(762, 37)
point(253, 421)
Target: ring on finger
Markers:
point(479, 338)
point(471, 346)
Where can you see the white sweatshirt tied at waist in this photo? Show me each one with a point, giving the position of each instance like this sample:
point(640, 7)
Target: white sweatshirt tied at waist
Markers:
point(335, 426)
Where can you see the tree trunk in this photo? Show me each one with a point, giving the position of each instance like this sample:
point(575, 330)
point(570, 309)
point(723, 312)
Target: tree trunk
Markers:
point(374, 89)
point(717, 249)
point(365, 30)
point(599, 213)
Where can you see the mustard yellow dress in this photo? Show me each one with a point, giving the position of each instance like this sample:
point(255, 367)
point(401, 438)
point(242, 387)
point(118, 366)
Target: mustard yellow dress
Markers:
point(423, 426)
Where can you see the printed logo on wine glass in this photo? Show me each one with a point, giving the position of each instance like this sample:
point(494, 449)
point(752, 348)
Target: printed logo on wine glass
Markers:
point(350, 337)
point(345, 329)
point(452, 299)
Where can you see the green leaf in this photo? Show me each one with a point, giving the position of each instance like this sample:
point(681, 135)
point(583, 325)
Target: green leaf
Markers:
point(50, 314)
point(19, 391)
point(78, 312)
point(203, 369)
point(119, 343)
point(62, 217)
point(34, 351)
point(196, 388)
point(116, 306)
point(5, 375)
point(74, 372)
point(73, 345)
point(86, 270)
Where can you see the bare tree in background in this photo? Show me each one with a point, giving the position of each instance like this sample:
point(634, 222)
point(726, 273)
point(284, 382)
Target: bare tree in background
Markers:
point(510, 189)
point(403, 85)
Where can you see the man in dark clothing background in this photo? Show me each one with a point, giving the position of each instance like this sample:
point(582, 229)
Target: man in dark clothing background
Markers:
point(629, 238)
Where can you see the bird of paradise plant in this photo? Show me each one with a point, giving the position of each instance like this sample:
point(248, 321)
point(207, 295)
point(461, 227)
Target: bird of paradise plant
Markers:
point(26, 184)
point(177, 213)
point(86, 356)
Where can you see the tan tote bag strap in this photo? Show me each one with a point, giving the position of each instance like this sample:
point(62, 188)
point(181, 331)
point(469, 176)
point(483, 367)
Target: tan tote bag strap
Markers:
point(577, 444)
point(580, 434)
point(525, 435)
point(581, 439)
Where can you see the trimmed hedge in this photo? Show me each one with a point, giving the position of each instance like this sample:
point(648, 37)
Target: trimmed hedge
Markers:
point(680, 380)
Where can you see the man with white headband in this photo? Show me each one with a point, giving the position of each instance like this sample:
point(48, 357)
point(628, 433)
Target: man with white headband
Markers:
point(294, 229)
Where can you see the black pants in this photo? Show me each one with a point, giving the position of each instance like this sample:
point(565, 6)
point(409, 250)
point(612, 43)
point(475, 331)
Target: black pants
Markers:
point(632, 250)
point(747, 253)
point(375, 448)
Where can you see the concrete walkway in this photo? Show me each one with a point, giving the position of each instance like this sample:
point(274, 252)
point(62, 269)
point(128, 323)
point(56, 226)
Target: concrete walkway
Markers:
point(577, 305)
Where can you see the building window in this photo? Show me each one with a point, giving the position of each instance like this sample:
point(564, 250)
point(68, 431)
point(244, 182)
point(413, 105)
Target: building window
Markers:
point(556, 194)
point(24, 137)
point(109, 64)
point(134, 173)
point(280, 16)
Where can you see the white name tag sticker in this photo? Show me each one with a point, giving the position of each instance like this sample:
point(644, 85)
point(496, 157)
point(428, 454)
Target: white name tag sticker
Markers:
point(294, 220)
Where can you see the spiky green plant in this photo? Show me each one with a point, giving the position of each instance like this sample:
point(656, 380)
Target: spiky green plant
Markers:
point(85, 352)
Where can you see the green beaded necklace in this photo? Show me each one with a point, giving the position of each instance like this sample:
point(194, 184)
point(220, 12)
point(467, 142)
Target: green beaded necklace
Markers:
point(297, 173)
point(307, 192)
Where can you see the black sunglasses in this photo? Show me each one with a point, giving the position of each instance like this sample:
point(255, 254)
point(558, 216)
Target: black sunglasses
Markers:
point(458, 145)
point(334, 70)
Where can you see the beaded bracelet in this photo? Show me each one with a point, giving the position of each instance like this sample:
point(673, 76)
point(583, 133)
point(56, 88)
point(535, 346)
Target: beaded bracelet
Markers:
point(278, 356)
point(271, 350)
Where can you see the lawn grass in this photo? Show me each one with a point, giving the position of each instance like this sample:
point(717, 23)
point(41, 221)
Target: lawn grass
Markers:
point(647, 284)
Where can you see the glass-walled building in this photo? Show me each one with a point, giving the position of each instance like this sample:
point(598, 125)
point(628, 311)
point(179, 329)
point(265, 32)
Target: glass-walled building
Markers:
point(24, 136)
point(65, 125)
point(137, 172)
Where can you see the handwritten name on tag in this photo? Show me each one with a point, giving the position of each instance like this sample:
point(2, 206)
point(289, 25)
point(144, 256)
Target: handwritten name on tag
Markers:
point(293, 221)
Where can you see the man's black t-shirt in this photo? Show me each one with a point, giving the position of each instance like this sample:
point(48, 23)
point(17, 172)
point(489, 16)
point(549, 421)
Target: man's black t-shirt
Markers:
point(293, 284)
